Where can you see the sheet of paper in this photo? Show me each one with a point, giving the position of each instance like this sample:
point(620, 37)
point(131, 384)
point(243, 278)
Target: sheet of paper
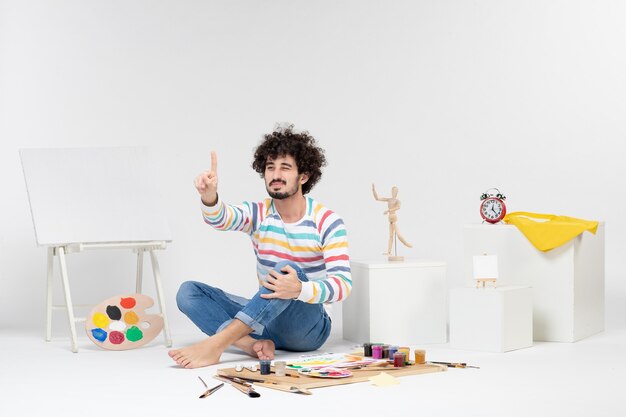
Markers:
point(383, 379)
point(337, 360)
point(485, 266)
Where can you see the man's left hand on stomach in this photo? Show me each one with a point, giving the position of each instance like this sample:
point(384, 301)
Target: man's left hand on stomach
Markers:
point(285, 285)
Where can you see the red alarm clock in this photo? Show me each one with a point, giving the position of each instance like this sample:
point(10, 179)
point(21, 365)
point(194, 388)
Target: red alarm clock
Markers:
point(492, 207)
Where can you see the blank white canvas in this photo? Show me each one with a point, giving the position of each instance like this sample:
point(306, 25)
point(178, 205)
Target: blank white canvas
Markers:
point(88, 195)
point(485, 266)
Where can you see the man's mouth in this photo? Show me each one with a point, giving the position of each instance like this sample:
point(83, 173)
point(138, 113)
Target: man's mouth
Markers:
point(275, 183)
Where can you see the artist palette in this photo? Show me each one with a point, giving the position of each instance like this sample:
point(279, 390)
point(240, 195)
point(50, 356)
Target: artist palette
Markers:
point(121, 323)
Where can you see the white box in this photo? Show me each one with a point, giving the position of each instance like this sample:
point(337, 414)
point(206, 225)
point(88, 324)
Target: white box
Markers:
point(396, 302)
point(567, 282)
point(491, 319)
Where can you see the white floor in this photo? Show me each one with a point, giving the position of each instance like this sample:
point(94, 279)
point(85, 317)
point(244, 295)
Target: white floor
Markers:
point(549, 379)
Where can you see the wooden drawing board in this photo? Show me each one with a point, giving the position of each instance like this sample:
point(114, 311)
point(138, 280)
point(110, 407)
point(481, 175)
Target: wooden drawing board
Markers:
point(358, 375)
point(86, 195)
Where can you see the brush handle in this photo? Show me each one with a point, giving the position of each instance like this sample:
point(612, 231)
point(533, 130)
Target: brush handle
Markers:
point(250, 392)
point(241, 388)
point(286, 388)
point(211, 390)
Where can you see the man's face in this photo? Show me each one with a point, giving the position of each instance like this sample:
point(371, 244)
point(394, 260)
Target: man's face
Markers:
point(281, 177)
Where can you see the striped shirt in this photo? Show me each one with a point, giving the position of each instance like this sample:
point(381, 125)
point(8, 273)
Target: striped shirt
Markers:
point(317, 243)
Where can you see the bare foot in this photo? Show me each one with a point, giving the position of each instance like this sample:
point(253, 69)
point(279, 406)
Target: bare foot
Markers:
point(201, 354)
point(264, 349)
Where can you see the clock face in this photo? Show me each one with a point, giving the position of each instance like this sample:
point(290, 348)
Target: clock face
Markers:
point(492, 210)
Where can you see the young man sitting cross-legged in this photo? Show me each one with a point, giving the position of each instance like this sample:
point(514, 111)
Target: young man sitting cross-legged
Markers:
point(302, 259)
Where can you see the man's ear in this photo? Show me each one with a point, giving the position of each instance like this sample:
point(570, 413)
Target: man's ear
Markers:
point(304, 178)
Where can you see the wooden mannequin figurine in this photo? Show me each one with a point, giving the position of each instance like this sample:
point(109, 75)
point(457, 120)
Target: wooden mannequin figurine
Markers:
point(393, 205)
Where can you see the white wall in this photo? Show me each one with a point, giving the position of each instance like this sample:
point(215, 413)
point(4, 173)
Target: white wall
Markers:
point(441, 98)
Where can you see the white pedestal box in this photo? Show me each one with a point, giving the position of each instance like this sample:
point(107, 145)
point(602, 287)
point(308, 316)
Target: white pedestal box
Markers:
point(491, 319)
point(567, 282)
point(396, 302)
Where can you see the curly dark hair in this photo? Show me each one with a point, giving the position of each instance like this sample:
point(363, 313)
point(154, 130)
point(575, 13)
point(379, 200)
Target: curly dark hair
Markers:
point(301, 146)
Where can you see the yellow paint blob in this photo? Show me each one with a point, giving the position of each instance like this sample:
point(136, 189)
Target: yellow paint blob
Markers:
point(131, 317)
point(100, 320)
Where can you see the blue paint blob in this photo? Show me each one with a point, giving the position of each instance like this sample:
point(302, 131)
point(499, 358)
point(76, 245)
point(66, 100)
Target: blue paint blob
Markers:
point(99, 334)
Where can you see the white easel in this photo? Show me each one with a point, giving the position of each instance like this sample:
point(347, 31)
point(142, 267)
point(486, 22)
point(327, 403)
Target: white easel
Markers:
point(91, 199)
point(485, 270)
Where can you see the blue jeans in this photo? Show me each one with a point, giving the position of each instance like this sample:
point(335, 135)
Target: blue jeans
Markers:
point(291, 324)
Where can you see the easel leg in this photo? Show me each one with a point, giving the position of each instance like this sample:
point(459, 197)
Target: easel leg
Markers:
point(159, 290)
point(49, 295)
point(139, 271)
point(68, 298)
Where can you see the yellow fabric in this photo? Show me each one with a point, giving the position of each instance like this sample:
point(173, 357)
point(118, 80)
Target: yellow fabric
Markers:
point(548, 231)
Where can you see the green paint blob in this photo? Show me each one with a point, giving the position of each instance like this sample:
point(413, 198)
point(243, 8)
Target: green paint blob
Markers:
point(134, 334)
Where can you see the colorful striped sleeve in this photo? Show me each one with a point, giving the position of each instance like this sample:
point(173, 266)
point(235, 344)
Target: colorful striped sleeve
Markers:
point(242, 218)
point(337, 284)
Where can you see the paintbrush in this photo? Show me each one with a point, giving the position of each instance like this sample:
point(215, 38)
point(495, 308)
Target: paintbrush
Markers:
point(282, 387)
point(455, 364)
point(376, 368)
point(209, 391)
point(241, 385)
point(268, 384)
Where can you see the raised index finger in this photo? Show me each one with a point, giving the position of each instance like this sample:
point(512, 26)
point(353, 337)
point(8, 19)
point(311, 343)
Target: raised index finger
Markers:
point(213, 162)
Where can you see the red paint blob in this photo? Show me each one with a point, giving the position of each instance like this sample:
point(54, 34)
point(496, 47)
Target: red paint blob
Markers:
point(116, 337)
point(128, 302)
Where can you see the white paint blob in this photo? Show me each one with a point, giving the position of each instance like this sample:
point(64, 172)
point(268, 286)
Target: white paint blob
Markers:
point(117, 325)
point(145, 325)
